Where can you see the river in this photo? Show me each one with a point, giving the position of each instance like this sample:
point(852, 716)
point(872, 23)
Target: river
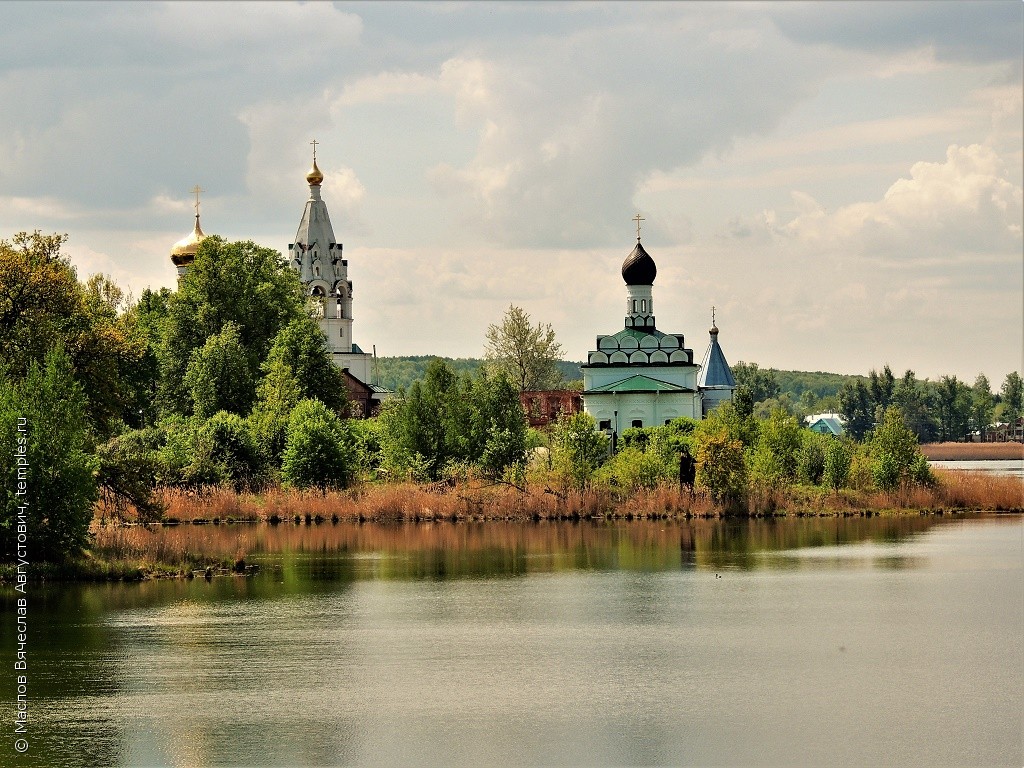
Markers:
point(881, 641)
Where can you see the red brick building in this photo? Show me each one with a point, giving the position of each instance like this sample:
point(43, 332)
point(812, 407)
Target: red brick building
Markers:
point(542, 407)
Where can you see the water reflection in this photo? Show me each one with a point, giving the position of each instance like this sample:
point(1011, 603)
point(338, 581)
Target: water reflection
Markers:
point(550, 643)
point(445, 551)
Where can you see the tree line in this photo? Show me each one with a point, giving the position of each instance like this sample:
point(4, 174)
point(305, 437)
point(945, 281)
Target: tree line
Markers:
point(946, 409)
point(227, 382)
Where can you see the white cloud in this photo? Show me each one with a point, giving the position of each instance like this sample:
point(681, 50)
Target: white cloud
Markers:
point(953, 209)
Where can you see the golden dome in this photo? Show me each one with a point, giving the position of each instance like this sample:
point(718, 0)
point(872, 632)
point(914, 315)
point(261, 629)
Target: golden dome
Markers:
point(183, 252)
point(314, 177)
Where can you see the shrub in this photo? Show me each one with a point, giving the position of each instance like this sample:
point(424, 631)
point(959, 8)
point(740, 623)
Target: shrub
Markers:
point(721, 469)
point(320, 450)
point(810, 460)
point(838, 457)
point(578, 449)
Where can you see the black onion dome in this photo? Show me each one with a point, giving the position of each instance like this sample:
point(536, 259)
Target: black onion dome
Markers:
point(639, 268)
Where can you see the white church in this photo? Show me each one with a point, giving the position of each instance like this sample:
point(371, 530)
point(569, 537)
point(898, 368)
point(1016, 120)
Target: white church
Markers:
point(316, 256)
point(643, 377)
point(637, 377)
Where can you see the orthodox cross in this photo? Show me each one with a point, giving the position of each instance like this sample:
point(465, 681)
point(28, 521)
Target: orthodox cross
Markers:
point(638, 218)
point(195, 191)
point(712, 315)
point(314, 142)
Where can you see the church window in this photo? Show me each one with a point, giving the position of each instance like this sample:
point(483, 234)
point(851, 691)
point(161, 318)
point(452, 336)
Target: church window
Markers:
point(637, 423)
point(643, 305)
point(634, 305)
point(605, 424)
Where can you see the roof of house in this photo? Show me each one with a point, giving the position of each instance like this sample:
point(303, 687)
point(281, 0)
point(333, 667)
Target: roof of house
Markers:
point(829, 423)
point(637, 383)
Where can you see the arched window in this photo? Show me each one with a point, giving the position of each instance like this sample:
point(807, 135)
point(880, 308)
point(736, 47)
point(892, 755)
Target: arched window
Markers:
point(634, 305)
point(643, 305)
point(637, 423)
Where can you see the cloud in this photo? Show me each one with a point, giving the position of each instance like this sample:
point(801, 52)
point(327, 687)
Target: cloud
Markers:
point(976, 31)
point(950, 210)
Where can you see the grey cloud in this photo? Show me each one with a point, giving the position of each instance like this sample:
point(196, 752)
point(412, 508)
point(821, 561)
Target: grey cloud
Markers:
point(971, 31)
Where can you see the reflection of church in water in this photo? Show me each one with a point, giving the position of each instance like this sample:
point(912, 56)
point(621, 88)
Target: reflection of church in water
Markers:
point(317, 257)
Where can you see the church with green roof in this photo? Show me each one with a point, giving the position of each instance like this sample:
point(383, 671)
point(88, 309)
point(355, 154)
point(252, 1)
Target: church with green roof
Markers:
point(643, 377)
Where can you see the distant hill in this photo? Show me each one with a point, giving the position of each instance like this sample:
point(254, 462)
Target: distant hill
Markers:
point(401, 372)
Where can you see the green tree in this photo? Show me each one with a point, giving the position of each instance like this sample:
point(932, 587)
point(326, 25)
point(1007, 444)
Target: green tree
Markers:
point(302, 346)
point(44, 437)
point(759, 383)
point(1012, 394)
point(129, 465)
point(838, 459)
point(42, 304)
point(218, 376)
point(578, 449)
point(498, 426)
point(277, 394)
point(780, 436)
point(953, 403)
point(814, 448)
point(225, 443)
point(240, 283)
point(721, 468)
point(983, 405)
point(912, 398)
point(881, 386)
point(527, 354)
point(430, 426)
point(857, 408)
point(320, 450)
point(896, 457)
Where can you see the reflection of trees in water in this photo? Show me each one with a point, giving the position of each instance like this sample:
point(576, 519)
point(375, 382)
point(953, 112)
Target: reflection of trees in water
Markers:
point(59, 691)
point(448, 550)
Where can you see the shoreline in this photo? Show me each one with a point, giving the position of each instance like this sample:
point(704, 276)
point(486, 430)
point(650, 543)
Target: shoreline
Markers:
point(973, 451)
point(116, 556)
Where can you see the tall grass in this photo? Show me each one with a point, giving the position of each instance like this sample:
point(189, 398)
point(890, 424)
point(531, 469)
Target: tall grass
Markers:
point(411, 502)
point(972, 451)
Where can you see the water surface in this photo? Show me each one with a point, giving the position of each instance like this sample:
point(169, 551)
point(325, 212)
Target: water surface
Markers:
point(892, 641)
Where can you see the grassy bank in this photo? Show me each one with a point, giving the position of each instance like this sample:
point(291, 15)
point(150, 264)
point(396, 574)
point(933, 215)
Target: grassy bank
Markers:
point(126, 552)
point(972, 451)
point(408, 502)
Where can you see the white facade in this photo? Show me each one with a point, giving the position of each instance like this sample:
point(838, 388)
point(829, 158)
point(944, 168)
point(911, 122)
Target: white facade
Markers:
point(317, 256)
point(640, 377)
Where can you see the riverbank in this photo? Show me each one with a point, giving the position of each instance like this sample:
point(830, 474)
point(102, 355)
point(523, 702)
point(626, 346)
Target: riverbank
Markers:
point(972, 451)
point(120, 553)
point(409, 502)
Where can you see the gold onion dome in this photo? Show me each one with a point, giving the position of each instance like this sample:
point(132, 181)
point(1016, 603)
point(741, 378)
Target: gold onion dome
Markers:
point(184, 251)
point(315, 176)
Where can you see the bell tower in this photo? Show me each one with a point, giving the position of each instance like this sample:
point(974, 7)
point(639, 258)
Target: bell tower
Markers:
point(317, 257)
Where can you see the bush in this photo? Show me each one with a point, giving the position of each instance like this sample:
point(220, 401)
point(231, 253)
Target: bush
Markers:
point(578, 449)
point(721, 469)
point(810, 460)
point(838, 458)
point(895, 453)
point(320, 449)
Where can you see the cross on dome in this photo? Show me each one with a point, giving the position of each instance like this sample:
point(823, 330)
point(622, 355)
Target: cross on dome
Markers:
point(638, 218)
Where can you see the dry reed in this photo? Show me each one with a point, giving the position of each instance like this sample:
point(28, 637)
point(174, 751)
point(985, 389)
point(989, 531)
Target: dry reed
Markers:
point(410, 502)
point(972, 451)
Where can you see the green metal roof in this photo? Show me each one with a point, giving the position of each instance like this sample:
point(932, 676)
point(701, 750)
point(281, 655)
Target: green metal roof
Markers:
point(638, 334)
point(638, 383)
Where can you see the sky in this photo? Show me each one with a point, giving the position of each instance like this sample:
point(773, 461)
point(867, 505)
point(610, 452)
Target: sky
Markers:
point(841, 181)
